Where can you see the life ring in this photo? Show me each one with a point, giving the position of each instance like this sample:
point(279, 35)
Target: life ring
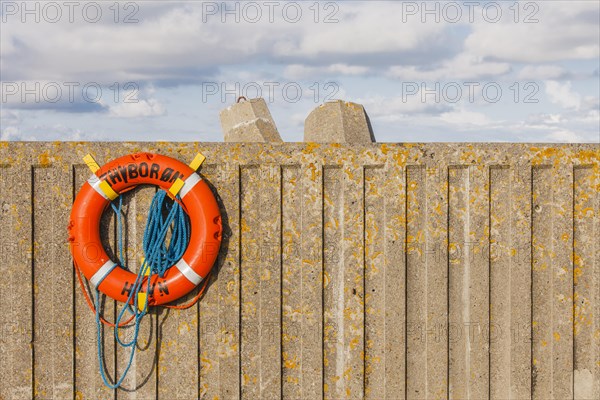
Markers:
point(119, 176)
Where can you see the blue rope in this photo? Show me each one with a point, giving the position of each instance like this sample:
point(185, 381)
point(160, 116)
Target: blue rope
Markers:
point(164, 216)
point(158, 254)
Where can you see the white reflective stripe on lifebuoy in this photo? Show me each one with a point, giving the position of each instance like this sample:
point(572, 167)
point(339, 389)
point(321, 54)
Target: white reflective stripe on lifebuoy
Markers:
point(188, 272)
point(189, 184)
point(94, 182)
point(102, 272)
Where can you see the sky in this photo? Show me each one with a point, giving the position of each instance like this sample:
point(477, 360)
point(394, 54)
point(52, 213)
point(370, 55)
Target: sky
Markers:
point(437, 71)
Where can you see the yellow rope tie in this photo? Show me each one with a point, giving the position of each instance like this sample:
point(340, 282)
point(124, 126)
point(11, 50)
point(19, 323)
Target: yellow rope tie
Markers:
point(178, 184)
point(104, 186)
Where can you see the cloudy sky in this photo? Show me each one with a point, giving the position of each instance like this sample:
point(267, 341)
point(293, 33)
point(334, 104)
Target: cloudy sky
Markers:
point(425, 71)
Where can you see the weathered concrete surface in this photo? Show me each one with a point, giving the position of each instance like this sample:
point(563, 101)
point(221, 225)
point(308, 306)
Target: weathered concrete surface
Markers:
point(381, 271)
point(338, 122)
point(249, 121)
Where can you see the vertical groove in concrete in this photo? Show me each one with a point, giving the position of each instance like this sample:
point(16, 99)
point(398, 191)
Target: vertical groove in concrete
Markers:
point(88, 383)
point(477, 330)
point(427, 282)
point(270, 281)
point(311, 249)
point(417, 372)
point(520, 283)
point(510, 296)
point(178, 347)
point(261, 339)
point(459, 282)
point(375, 270)
point(542, 289)
point(436, 256)
point(220, 315)
point(552, 283)
point(562, 251)
point(53, 285)
point(250, 281)
point(333, 282)
point(302, 361)
point(586, 281)
point(352, 379)
point(292, 282)
point(16, 293)
point(384, 283)
point(500, 283)
point(394, 282)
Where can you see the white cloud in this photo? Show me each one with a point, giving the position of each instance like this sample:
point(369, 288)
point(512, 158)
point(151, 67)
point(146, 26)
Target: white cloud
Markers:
point(137, 108)
point(463, 117)
point(9, 117)
point(11, 133)
point(363, 29)
point(177, 45)
point(9, 123)
point(299, 71)
point(570, 127)
point(542, 72)
point(548, 119)
point(396, 108)
point(565, 30)
point(564, 136)
point(561, 94)
point(461, 67)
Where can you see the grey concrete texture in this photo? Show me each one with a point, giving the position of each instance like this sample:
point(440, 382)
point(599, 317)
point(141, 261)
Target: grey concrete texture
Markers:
point(249, 121)
point(376, 271)
point(338, 121)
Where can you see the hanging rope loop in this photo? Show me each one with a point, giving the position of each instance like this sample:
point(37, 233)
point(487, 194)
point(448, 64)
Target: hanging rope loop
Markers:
point(166, 216)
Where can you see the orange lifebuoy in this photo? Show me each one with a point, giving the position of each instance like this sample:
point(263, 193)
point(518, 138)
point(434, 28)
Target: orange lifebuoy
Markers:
point(124, 174)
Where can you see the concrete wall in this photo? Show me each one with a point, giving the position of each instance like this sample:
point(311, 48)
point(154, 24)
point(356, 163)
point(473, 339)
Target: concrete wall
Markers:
point(373, 271)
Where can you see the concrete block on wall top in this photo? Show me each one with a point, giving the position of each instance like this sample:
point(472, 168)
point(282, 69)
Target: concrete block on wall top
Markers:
point(249, 121)
point(338, 122)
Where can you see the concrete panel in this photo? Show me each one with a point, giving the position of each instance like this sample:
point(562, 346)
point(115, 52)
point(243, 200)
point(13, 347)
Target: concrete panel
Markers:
point(178, 346)
point(16, 290)
point(343, 282)
point(302, 301)
point(427, 281)
point(260, 291)
point(394, 286)
point(291, 281)
point(468, 282)
point(552, 283)
point(333, 307)
point(510, 282)
point(384, 283)
point(382, 271)
point(88, 383)
point(52, 283)
point(219, 307)
point(586, 282)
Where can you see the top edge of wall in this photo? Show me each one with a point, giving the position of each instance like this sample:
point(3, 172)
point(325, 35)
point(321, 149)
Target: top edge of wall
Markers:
point(48, 153)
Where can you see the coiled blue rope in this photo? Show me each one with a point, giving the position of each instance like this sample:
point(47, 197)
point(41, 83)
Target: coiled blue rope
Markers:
point(164, 216)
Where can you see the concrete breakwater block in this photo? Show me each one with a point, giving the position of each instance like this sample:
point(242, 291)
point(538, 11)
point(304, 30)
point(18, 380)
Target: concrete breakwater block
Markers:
point(249, 121)
point(338, 122)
